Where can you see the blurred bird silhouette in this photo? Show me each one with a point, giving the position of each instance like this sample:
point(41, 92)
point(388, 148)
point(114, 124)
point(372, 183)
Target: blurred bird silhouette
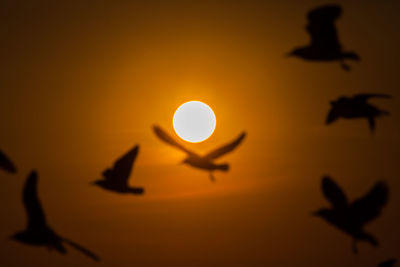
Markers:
point(388, 263)
point(352, 217)
point(6, 164)
point(116, 178)
point(38, 232)
point(325, 44)
point(356, 107)
point(205, 162)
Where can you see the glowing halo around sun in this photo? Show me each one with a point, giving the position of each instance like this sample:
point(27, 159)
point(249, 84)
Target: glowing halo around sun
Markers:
point(194, 121)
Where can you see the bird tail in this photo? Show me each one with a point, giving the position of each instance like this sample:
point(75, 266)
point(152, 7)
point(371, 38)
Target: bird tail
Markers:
point(223, 167)
point(83, 250)
point(137, 190)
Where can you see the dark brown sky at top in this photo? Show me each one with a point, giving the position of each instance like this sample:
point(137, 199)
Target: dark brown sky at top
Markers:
point(81, 83)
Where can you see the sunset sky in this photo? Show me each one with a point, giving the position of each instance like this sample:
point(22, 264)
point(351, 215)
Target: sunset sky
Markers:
point(82, 83)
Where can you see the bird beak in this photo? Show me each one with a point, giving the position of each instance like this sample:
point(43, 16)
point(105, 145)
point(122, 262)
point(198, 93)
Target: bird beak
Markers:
point(289, 54)
point(314, 213)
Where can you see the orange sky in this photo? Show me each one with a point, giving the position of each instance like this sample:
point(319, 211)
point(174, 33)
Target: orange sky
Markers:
point(82, 83)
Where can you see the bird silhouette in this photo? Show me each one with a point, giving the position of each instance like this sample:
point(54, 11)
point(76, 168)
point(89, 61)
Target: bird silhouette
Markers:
point(325, 44)
point(352, 217)
point(388, 263)
point(6, 164)
point(356, 107)
point(116, 178)
point(195, 160)
point(38, 232)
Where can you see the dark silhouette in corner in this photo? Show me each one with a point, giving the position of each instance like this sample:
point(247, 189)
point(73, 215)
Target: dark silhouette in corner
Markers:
point(116, 178)
point(325, 44)
point(202, 162)
point(352, 217)
point(6, 164)
point(388, 263)
point(38, 232)
point(356, 107)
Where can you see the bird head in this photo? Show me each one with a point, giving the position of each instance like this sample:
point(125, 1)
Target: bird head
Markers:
point(342, 100)
point(185, 161)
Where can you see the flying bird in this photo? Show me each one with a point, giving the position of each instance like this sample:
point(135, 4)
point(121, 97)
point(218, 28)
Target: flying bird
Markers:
point(38, 232)
point(6, 164)
point(356, 107)
point(388, 263)
point(116, 178)
point(325, 44)
point(352, 217)
point(195, 160)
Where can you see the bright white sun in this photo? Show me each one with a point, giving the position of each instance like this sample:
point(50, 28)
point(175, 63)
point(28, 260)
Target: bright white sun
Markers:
point(194, 121)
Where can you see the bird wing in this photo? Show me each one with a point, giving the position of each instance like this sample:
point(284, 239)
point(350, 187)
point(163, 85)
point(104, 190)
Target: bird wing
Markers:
point(83, 250)
point(333, 193)
point(36, 216)
point(388, 263)
point(226, 148)
point(321, 27)
point(122, 167)
point(369, 206)
point(169, 140)
point(6, 164)
point(366, 97)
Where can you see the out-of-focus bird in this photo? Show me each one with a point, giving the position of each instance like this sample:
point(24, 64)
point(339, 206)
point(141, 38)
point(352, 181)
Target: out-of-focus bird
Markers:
point(195, 160)
point(6, 164)
point(38, 232)
point(356, 107)
point(388, 263)
point(116, 178)
point(325, 44)
point(352, 217)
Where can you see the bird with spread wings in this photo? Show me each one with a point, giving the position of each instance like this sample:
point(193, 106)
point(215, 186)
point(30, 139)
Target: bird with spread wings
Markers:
point(352, 217)
point(116, 179)
point(356, 107)
point(38, 232)
point(324, 41)
point(195, 160)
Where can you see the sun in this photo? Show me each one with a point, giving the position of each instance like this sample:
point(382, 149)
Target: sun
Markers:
point(194, 121)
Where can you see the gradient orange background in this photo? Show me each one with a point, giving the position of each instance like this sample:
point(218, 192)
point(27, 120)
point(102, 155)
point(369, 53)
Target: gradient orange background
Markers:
point(81, 83)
